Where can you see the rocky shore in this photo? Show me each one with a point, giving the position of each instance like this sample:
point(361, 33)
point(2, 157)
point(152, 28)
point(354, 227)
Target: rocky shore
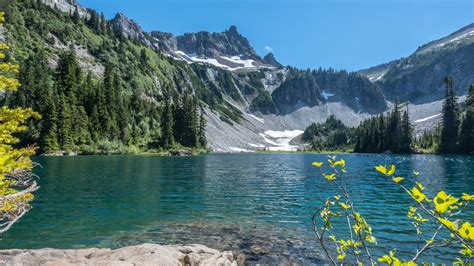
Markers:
point(146, 254)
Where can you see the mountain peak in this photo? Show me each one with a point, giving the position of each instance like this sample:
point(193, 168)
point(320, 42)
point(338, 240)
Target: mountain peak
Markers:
point(233, 29)
point(129, 28)
point(271, 60)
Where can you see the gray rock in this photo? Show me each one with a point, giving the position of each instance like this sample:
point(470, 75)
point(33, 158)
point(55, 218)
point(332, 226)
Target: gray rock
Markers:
point(146, 254)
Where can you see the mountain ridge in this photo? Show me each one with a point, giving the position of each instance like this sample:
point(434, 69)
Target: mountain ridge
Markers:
point(245, 102)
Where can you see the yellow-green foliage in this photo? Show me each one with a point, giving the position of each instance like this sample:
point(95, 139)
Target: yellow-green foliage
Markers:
point(16, 182)
point(441, 211)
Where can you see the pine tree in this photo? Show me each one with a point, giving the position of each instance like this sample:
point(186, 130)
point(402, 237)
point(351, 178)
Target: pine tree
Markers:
point(406, 134)
point(103, 24)
point(66, 138)
point(111, 88)
point(450, 128)
point(49, 139)
point(76, 18)
point(467, 129)
point(68, 75)
point(202, 131)
point(167, 124)
point(381, 140)
point(393, 130)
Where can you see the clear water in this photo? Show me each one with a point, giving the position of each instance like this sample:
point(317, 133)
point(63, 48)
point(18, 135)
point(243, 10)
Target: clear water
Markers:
point(226, 201)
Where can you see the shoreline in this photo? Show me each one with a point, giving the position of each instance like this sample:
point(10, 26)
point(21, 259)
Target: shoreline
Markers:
point(144, 254)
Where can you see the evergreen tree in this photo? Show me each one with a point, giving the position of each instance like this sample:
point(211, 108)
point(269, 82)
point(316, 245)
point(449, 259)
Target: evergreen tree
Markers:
point(406, 134)
point(202, 131)
point(393, 130)
point(66, 138)
point(450, 128)
point(381, 140)
point(467, 128)
point(75, 16)
point(167, 124)
point(68, 74)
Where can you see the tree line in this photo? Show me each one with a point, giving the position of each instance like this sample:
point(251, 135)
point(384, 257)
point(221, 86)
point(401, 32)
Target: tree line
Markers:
point(82, 112)
point(393, 132)
point(456, 133)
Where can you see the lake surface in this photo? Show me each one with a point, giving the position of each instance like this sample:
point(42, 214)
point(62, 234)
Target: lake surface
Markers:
point(225, 201)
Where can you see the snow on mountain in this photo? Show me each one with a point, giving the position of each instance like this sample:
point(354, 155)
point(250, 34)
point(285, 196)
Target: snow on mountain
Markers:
point(464, 35)
point(327, 95)
point(426, 118)
point(280, 140)
point(229, 63)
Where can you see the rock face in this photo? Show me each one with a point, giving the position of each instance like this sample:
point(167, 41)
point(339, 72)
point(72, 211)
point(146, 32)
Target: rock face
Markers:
point(129, 28)
point(227, 43)
point(271, 60)
point(419, 77)
point(147, 254)
point(228, 49)
point(164, 41)
point(68, 6)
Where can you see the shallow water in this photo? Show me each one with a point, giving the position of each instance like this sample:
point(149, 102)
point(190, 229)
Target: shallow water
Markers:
point(226, 201)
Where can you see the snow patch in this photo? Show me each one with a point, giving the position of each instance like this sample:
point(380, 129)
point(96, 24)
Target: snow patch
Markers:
point(427, 118)
point(280, 140)
point(377, 78)
point(237, 60)
point(248, 63)
point(456, 39)
point(326, 95)
point(256, 145)
point(193, 58)
point(261, 120)
point(239, 149)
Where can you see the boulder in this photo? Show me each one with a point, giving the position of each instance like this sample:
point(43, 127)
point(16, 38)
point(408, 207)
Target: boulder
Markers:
point(146, 254)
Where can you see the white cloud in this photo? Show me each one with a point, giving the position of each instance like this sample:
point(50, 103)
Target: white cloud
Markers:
point(268, 49)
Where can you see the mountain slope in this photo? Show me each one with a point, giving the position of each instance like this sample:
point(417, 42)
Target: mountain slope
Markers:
point(419, 77)
point(249, 102)
point(243, 97)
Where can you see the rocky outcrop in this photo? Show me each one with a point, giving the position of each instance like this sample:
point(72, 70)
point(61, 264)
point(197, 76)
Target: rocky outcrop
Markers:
point(68, 6)
point(129, 29)
point(146, 254)
point(227, 43)
point(271, 60)
point(419, 77)
point(164, 41)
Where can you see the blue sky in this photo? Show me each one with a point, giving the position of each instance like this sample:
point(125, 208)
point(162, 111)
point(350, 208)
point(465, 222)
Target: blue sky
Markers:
point(343, 34)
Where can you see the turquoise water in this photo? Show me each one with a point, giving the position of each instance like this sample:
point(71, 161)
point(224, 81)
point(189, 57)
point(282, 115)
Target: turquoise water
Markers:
point(226, 201)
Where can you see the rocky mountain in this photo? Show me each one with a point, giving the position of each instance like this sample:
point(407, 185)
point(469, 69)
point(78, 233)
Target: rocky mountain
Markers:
point(250, 102)
point(130, 29)
point(229, 49)
point(419, 77)
point(68, 6)
point(271, 60)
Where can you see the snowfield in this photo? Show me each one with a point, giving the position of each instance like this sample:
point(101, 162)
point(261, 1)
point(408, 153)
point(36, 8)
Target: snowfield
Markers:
point(326, 95)
point(261, 120)
point(235, 62)
point(427, 118)
point(280, 140)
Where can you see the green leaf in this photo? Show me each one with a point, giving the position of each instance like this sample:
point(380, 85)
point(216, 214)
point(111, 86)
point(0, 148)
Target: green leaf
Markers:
point(397, 179)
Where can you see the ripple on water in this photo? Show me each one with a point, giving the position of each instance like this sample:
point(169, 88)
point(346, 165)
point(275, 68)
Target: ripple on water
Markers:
point(226, 201)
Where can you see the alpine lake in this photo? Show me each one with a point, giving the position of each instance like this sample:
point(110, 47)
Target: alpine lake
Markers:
point(257, 204)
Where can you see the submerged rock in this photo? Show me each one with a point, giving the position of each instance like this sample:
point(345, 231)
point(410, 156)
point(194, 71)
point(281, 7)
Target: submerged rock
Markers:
point(146, 254)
